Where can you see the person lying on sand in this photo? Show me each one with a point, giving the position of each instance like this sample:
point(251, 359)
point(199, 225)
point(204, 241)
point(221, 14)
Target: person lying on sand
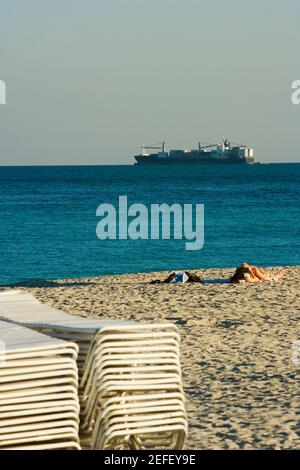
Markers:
point(249, 273)
point(245, 273)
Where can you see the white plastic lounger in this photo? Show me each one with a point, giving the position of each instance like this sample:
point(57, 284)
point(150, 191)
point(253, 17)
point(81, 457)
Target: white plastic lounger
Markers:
point(130, 384)
point(38, 390)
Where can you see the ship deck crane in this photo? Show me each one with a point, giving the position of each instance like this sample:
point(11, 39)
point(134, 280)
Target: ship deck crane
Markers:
point(206, 146)
point(159, 146)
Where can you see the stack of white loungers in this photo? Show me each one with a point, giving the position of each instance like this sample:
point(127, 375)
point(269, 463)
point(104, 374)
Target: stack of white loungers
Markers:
point(130, 384)
point(39, 406)
point(132, 387)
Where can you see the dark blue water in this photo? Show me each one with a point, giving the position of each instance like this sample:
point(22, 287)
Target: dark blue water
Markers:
point(48, 218)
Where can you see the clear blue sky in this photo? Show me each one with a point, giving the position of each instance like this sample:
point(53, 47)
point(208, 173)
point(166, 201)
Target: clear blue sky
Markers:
point(89, 81)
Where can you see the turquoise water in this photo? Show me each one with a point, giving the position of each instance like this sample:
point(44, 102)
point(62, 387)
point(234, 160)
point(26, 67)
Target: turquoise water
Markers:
point(48, 218)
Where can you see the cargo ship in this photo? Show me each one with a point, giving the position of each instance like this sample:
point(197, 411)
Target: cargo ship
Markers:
point(224, 153)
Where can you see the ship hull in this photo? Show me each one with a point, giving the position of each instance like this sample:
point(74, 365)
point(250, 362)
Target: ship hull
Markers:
point(142, 160)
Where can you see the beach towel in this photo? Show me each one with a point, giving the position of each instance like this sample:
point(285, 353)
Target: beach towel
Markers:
point(180, 278)
point(216, 281)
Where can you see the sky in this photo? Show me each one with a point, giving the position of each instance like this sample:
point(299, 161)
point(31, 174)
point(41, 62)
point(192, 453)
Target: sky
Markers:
point(89, 81)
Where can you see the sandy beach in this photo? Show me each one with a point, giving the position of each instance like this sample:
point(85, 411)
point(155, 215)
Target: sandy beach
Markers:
point(241, 382)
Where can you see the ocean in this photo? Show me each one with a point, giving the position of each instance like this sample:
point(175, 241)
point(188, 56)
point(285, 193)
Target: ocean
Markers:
point(48, 218)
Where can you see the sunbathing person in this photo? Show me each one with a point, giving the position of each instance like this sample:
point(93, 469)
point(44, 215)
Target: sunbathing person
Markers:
point(249, 273)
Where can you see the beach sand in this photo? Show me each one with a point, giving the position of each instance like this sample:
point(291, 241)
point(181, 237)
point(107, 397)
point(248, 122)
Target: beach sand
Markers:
point(240, 376)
